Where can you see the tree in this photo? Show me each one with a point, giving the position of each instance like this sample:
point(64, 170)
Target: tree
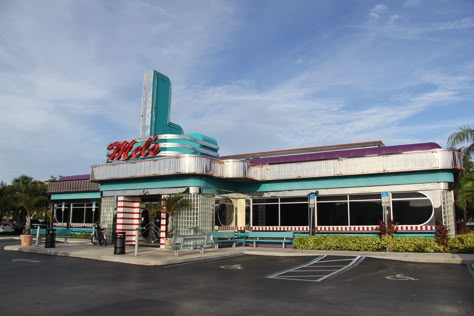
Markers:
point(7, 204)
point(171, 205)
point(31, 197)
point(463, 136)
point(463, 140)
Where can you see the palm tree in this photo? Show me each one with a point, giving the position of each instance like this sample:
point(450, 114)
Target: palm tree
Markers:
point(30, 196)
point(464, 187)
point(171, 205)
point(463, 136)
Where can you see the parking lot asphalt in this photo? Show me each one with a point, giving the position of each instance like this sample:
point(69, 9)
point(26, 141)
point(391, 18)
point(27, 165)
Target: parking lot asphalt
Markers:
point(237, 285)
point(153, 256)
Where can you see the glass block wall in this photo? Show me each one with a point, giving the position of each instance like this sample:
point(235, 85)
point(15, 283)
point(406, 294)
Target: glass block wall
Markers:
point(108, 209)
point(199, 219)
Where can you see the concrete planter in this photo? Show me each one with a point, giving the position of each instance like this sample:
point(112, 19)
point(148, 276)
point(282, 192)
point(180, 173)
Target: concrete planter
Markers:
point(26, 240)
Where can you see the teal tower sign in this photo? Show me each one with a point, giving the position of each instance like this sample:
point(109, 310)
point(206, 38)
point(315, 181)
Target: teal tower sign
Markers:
point(159, 136)
point(156, 103)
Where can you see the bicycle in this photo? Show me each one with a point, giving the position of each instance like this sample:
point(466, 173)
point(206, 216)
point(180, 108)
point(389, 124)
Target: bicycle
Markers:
point(98, 235)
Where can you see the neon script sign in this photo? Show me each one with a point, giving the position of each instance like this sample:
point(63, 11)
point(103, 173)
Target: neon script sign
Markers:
point(127, 149)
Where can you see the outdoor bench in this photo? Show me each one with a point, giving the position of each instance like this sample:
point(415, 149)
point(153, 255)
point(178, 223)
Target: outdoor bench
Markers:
point(61, 232)
point(226, 237)
point(189, 241)
point(270, 237)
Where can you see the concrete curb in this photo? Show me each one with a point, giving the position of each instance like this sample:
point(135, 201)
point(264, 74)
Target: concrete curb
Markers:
point(158, 257)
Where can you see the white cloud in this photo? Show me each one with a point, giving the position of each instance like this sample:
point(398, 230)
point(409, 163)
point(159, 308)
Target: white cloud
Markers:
point(71, 75)
point(378, 10)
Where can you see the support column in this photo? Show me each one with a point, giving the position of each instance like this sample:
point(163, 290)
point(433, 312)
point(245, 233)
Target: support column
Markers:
point(129, 217)
point(239, 207)
point(163, 224)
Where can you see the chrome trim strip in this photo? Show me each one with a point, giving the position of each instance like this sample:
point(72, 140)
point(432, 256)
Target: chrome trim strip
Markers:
point(194, 164)
point(184, 137)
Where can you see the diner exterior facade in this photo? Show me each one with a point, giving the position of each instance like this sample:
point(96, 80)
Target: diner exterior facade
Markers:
point(355, 185)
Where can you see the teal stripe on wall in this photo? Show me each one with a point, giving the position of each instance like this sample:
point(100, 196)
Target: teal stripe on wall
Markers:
point(75, 196)
point(168, 182)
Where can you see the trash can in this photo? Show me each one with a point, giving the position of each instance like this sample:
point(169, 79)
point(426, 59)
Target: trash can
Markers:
point(119, 244)
point(50, 241)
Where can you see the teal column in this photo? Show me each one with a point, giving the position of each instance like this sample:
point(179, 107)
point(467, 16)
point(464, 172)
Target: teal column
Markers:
point(156, 103)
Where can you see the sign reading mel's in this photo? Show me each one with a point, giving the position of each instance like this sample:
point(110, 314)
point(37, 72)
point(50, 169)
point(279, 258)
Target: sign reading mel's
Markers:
point(127, 149)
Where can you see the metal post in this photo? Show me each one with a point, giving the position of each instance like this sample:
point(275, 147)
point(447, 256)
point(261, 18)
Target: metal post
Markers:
point(93, 212)
point(37, 235)
point(62, 210)
point(136, 240)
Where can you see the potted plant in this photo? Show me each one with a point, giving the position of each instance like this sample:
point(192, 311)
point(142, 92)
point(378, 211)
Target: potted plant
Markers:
point(32, 198)
point(171, 205)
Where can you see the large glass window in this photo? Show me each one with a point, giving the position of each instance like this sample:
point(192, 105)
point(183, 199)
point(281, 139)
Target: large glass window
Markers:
point(294, 214)
point(332, 213)
point(224, 212)
point(265, 215)
point(61, 213)
point(76, 212)
point(408, 208)
point(83, 213)
point(365, 212)
point(411, 211)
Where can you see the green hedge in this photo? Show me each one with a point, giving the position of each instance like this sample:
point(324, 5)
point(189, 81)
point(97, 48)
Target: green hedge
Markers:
point(339, 242)
point(412, 244)
point(461, 243)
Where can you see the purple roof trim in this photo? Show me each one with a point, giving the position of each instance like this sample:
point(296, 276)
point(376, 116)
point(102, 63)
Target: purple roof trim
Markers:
point(76, 178)
point(360, 152)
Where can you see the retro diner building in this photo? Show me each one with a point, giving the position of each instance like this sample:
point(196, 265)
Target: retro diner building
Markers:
point(355, 185)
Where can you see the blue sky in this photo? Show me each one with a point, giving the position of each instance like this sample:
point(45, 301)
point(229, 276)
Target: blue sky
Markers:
point(255, 75)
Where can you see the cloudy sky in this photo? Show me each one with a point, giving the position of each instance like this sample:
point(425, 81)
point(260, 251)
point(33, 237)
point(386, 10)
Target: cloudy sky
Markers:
point(255, 75)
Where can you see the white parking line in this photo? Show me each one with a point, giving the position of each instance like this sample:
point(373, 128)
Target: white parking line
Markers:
point(317, 270)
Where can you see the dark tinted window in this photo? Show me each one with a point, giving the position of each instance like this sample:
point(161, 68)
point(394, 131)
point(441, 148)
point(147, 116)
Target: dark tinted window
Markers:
point(366, 213)
point(332, 214)
point(294, 214)
point(412, 212)
point(265, 215)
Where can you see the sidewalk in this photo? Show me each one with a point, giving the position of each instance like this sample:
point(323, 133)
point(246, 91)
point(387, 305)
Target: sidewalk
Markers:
point(151, 256)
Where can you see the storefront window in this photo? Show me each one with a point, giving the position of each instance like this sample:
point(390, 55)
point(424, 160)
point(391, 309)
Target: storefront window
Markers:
point(77, 212)
point(247, 211)
point(61, 215)
point(332, 214)
point(265, 215)
point(365, 212)
point(294, 214)
point(224, 213)
point(411, 211)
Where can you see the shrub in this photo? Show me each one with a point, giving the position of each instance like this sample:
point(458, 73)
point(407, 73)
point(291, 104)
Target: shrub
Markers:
point(463, 243)
point(441, 234)
point(339, 242)
point(82, 236)
point(412, 244)
point(388, 229)
point(368, 243)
